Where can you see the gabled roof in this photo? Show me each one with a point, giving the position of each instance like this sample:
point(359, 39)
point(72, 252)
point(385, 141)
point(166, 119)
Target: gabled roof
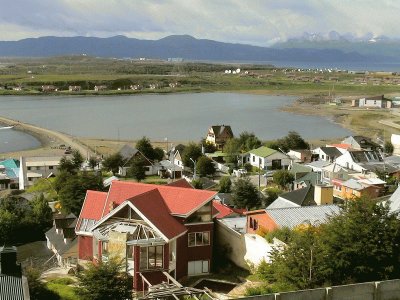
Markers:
point(282, 203)
point(331, 151)
point(301, 197)
point(93, 205)
point(182, 183)
point(309, 178)
point(342, 146)
point(294, 216)
point(220, 130)
point(224, 211)
point(179, 201)
point(365, 141)
point(263, 151)
point(299, 168)
point(127, 152)
point(354, 184)
point(319, 164)
point(152, 206)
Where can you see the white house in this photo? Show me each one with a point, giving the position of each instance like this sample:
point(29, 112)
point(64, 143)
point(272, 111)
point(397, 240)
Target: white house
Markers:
point(373, 102)
point(33, 168)
point(361, 160)
point(327, 153)
point(265, 157)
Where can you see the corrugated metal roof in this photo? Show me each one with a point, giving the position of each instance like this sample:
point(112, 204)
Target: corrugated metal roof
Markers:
point(293, 216)
point(11, 288)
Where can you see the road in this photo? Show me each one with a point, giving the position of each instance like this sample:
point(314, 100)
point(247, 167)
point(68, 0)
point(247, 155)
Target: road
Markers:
point(48, 134)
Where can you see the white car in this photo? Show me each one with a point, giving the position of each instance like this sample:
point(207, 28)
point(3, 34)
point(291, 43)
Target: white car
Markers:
point(240, 172)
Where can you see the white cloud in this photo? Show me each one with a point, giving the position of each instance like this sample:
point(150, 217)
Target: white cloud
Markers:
point(256, 22)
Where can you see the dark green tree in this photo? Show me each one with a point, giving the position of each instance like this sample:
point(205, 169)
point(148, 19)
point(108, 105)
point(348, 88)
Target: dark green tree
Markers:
point(197, 184)
point(145, 147)
point(73, 192)
point(283, 178)
point(362, 243)
point(225, 185)
point(105, 281)
point(205, 167)
point(245, 194)
point(66, 165)
point(137, 170)
point(93, 162)
point(77, 159)
point(292, 141)
point(388, 148)
point(249, 141)
point(113, 162)
point(158, 154)
point(191, 151)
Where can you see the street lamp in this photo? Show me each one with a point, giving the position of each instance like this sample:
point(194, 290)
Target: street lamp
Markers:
point(194, 163)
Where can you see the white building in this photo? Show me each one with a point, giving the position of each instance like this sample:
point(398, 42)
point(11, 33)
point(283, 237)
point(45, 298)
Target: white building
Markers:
point(265, 157)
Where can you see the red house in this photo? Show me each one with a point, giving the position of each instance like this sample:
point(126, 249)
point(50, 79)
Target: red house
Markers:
point(157, 230)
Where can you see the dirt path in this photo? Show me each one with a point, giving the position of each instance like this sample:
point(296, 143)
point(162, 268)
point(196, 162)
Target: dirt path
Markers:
point(47, 135)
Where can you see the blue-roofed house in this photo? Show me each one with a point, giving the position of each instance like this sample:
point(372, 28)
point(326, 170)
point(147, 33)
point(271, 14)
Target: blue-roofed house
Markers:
point(9, 170)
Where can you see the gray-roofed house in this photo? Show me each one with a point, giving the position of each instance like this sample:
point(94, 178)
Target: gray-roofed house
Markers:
point(327, 153)
point(299, 170)
point(290, 217)
point(361, 143)
point(128, 154)
point(13, 286)
point(307, 196)
point(61, 239)
point(311, 178)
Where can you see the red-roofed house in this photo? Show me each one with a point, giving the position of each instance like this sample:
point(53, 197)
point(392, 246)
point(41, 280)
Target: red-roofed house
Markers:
point(158, 230)
point(224, 211)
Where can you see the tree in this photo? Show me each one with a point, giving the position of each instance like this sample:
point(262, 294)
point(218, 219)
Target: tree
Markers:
point(208, 147)
point(67, 165)
point(104, 281)
point(388, 148)
point(292, 141)
point(197, 184)
point(232, 148)
point(93, 162)
point(77, 159)
point(73, 191)
point(205, 166)
point(362, 243)
point(158, 154)
point(191, 151)
point(41, 212)
point(137, 170)
point(249, 141)
point(245, 194)
point(283, 178)
point(225, 185)
point(113, 162)
point(145, 147)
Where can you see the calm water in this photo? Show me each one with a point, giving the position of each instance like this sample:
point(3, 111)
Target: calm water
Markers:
point(175, 116)
point(13, 140)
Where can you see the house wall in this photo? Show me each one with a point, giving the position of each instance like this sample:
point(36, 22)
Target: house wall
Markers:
point(364, 102)
point(267, 161)
point(233, 242)
point(347, 162)
point(264, 223)
point(184, 253)
point(85, 247)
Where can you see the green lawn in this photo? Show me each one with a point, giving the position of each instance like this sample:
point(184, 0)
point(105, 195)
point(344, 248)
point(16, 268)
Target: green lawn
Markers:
point(64, 288)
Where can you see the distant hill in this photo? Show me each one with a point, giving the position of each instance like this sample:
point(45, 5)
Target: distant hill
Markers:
point(182, 46)
point(381, 47)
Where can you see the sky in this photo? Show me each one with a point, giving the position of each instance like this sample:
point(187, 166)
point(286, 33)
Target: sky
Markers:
point(256, 22)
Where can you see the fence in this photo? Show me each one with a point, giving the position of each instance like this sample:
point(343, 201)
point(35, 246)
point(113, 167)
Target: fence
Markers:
point(380, 290)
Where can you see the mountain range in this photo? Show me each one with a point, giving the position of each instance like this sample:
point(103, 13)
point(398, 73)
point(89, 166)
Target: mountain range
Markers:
point(182, 46)
point(332, 47)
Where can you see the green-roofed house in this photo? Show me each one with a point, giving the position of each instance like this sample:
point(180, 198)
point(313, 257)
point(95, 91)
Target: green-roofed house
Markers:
point(266, 158)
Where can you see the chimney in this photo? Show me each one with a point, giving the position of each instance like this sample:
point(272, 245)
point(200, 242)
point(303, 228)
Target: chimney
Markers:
point(8, 261)
point(323, 194)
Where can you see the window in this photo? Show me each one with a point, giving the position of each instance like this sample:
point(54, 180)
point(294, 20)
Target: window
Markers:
point(198, 267)
point(37, 168)
point(51, 167)
point(203, 214)
point(104, 248)
point(198, 239)
point(251, 222)
point(29, 168)
point(254, 159)
point(151, 257)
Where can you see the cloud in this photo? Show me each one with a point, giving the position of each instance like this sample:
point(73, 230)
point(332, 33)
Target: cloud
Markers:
point(257, 22)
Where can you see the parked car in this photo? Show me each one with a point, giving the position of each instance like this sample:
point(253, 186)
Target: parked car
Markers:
point(240, 172)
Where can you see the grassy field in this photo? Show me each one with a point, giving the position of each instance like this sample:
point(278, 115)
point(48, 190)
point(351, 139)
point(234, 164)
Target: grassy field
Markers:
point(118, 75)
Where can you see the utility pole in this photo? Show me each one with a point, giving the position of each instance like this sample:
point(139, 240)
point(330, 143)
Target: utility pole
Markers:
point(194, 163)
